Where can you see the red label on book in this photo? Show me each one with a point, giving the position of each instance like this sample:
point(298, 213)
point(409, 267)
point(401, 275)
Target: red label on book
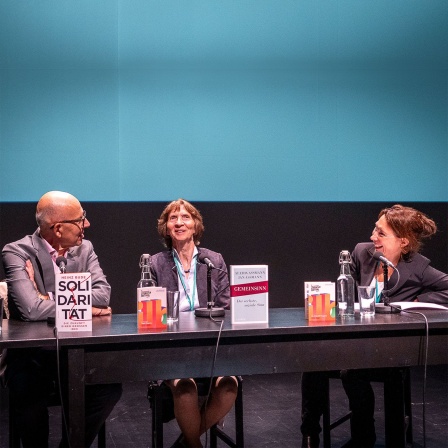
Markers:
point(247, 289)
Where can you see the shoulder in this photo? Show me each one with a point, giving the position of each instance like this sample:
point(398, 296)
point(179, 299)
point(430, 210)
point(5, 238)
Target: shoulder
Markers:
point(161, 256)
point(363, 248)
point(215, 257)
point(162, 259)
point(418, 261)
point(25, 244)
point(209, 253)
point(86, 247)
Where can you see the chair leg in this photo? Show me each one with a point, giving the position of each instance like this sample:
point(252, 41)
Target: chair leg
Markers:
point(326, 415)
point(396, 402)
point(216, 432)
point(397, 408)
point(14, 436)
point(157, 421)
point(102, 436)
point(214, 436)
point(239, 415)
point(327, 424)
point(156, 401)
point(408, 407)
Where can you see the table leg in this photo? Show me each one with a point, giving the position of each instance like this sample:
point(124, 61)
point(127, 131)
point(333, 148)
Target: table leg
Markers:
point(76, 397)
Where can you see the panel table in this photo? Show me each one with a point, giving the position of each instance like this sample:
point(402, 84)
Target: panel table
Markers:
point(116, 351)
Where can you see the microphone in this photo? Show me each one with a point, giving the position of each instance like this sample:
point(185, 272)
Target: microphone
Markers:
point(385, 308)
point(61, 262)
point(211, 310)
point(206, 261)
point(380, 257)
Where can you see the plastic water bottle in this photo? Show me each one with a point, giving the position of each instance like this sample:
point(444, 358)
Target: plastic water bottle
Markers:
point(345, 287)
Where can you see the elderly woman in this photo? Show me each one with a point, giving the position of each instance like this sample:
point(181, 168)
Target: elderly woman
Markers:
point(181, 227)
point(398, 234)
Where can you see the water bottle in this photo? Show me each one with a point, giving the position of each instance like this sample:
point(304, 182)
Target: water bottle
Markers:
point(345, 287)
point(145, 293)
point(146, 279)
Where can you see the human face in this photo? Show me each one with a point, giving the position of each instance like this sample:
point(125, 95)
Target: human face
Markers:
point(180, 227)
point(70, 231)
point(386, 241)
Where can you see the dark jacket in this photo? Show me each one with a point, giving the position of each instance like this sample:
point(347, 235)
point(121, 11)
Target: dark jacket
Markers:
point(417, 278)
point(164, 272)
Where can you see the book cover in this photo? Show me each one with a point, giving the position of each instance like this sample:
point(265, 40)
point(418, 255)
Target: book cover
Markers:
point(249, 293)
point(73, 297)
point(320, 301)
point(151, 307)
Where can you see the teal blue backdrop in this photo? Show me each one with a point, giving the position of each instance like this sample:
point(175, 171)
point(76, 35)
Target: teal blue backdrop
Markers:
point(230, 100)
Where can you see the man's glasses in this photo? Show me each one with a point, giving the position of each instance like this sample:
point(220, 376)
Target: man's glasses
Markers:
point(73, 221)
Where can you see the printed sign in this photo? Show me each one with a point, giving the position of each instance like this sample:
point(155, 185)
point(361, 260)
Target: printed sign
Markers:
point(73, 298)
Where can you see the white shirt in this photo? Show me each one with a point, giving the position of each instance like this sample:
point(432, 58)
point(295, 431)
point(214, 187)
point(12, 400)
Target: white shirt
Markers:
point(187, 286)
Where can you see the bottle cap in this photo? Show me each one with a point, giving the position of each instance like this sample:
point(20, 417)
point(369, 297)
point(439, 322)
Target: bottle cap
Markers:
point(345, 257)
point(144, 260)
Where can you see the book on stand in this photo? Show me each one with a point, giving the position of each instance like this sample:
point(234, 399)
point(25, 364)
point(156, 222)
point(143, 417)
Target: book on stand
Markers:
point(249, 294)
point(320, 301)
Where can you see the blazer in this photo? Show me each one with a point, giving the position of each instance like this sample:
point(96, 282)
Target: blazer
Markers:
point(417, 278)
point(164, 273)
point(23, 301)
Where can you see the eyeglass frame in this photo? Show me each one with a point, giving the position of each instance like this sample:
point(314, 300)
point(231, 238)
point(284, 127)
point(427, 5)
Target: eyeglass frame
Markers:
point(73, 221)
point(378, 231)
point(176, 218)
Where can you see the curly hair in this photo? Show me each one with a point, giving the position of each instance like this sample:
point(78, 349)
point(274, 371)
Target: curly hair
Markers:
point(407, 222)
point(175, 206)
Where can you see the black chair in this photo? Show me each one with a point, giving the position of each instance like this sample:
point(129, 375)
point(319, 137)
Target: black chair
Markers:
point(159, 396)
point(397, 407)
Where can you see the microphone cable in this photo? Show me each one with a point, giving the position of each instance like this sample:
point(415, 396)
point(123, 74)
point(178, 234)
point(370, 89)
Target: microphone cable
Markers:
point(396, 284)
point(215, 354)
point(425, 367)
point(58, 369)
point(212, 373)
point(221, 291)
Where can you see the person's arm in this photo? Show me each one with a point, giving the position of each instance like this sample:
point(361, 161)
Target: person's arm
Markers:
point(435, 284)
point(30, 303)
point(355, 264)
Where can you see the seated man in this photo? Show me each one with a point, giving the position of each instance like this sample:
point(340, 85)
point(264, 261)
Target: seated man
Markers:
point(30, 268)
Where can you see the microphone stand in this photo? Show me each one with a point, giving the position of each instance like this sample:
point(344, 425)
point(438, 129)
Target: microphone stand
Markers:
point(210, 311)
point(385, 308)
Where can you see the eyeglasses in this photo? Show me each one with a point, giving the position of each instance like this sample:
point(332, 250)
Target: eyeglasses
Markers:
point(183, 218)
point(381, 234)
point(73, 221)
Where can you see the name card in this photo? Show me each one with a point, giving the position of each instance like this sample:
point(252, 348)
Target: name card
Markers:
point(73, 297)
point(249, 294)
